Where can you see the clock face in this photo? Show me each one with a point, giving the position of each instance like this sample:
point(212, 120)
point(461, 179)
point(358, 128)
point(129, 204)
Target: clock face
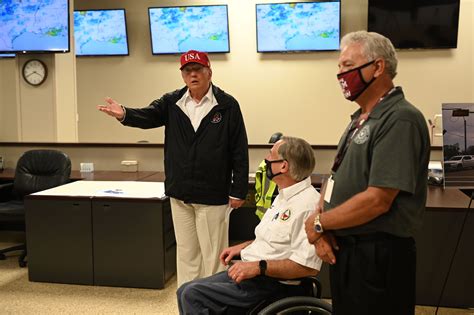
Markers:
point(35, 72)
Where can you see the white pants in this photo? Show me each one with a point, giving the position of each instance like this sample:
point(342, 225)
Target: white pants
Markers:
point(201, 234)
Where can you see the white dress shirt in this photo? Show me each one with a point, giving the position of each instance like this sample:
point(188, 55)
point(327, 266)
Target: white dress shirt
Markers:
point(197, 111)
point(281, 233)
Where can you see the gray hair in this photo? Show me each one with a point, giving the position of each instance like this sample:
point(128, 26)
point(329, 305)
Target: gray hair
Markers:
point(300, 157)
point(374, 46)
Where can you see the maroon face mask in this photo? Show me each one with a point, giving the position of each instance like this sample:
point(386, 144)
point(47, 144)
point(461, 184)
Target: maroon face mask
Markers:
point(352, 82)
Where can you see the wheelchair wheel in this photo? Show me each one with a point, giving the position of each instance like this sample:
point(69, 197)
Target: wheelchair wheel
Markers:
point(298, 305)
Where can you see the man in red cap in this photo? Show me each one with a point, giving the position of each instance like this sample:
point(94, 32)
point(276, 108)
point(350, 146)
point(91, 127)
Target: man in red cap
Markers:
point(206, 162)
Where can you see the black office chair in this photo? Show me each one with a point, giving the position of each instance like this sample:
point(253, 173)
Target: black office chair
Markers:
point(36, 170)
point(275, 137)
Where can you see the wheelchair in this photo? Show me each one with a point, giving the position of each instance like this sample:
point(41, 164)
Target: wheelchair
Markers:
point(298, 305)
point(310, 303)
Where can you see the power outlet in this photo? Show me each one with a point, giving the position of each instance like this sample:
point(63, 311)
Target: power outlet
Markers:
point(87, 167)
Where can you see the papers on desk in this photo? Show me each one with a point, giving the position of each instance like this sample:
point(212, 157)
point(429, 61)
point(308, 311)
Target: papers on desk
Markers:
point(119, 189)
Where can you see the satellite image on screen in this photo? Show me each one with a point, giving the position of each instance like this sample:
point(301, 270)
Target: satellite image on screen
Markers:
point(34, 25)
point(298, 26)
point(179, 29)
point(100, 32)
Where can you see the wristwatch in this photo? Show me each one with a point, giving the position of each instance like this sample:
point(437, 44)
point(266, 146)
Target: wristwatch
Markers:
point(263, 267)
point(318, 227)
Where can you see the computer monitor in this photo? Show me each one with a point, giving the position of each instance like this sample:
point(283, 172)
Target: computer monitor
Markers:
point(458, 145)
point(101, 32)
point(34, 26)
point(416, 23)
point(298, 26)
point(7, 55)
point(176, 30)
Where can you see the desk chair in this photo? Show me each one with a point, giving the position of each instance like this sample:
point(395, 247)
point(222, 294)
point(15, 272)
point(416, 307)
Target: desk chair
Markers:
point(36, 170)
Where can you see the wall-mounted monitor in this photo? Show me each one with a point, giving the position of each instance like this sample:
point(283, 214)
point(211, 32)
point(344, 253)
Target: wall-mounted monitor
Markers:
point(34, 26)
point(100, 33)
point(7, 55)
point(298, 26)
point(176, 30)
point(458, 145)
point(416, 23)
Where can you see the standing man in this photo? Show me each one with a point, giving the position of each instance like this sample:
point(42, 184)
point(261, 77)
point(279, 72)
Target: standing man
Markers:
point(206, 162)
point(375, 198)
point(280, 250)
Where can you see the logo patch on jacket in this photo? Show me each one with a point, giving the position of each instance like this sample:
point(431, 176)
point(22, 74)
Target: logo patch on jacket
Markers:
point(216, 118)
point(285, 215)
point(363, 135)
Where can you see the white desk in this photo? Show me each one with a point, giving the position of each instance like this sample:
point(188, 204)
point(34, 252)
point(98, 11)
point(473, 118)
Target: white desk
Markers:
point(101, 233)
point(117, 189)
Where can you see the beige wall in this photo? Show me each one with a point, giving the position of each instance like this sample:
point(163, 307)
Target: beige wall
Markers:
point(36, 105)
point(151, 159)
point(8, 95)
point(293, 93)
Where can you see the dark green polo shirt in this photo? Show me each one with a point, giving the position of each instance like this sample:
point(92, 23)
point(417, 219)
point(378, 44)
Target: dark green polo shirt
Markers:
point(391, 150)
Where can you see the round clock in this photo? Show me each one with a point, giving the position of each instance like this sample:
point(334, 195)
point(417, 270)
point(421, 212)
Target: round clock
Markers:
point(35, 72)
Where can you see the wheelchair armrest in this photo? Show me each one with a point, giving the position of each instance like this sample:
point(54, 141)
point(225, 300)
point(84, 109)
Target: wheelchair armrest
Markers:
point(311, 283)
point(314, 283)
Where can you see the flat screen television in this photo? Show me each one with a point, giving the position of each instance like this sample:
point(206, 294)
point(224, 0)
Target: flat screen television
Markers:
point(100, 33)
point(298, 26)
point(416, 23)
point(458, 145)
point(7, 55)
point(34, 26)
point(176, 30)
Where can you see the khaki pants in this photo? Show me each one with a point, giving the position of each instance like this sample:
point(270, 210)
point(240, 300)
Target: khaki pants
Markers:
point(201, 234)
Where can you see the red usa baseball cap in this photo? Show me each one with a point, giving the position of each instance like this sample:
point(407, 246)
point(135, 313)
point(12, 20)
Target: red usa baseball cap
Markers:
point(195, 56)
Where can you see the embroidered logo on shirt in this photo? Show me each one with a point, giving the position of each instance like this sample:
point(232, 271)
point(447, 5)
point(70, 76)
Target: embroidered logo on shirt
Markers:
point(285, 215)
point(216, 118)
point(363, 135)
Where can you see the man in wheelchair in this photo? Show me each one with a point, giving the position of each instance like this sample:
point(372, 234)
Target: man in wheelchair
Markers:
point(280, 251)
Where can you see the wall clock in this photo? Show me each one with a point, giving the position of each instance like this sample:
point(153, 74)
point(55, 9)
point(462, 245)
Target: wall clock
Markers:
point(35, 72)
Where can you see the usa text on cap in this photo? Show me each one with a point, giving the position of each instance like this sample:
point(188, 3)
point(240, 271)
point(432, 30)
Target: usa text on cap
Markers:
point(196, 57)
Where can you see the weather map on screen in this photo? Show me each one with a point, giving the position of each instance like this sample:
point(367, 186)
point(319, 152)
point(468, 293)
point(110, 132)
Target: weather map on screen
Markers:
point(32, 25)
point(100, 32)
point(298, 26)
point(179, 29)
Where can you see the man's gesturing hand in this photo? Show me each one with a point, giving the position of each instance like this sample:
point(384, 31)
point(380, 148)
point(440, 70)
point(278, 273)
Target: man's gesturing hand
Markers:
point(112, 108)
